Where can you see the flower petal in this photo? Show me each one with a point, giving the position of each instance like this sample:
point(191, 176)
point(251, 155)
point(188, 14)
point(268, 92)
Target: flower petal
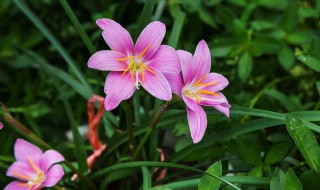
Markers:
point(53, 176)
point(16, 185)
point(24, 150)
point(223, 108)
point(117, 88)
point(117, 38)
point(151, 36)
point(165, 60)
point(20, 170)
point(175, 81)
point(1, 125)
point(202, 60)
point(222, 82)
point(157, 85)
point(197, 123)
point(186, 65)
point(190, 103)
point(49, 158)
point(106, 60)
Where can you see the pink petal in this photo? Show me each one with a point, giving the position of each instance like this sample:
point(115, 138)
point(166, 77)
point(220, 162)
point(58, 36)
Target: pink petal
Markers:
point(186, 65)
point(16, 185)
point(117, 38)
point(157, 85)
point(197, 123)
point(24, 150)
point(117, 88)
point(49, 158)
point(53, 176)
point(152, 35)
point(190, 103)
point(202, 60)
point(106, 60)
point(222, 82)
point(165, 60)
point(175, 81)
point(1, 125)
point(22, 168)
point(224, 108)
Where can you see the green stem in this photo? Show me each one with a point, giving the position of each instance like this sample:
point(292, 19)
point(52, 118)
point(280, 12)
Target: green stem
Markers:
point(129, 124)
point(150, 129)
point(85, 38)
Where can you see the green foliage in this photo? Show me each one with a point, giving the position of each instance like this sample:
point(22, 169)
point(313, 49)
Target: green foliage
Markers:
point(267, 49)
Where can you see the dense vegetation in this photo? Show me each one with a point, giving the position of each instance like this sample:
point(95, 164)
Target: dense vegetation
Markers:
point(267, 49)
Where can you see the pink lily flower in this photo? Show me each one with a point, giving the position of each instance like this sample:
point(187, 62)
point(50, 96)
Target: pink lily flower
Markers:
point(1, 125)
point(144, 63)
point(197, 87)
point(33, 168)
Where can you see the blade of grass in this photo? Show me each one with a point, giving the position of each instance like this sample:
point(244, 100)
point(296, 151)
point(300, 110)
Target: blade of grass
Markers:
point(179, 17)
point(78, 26)
point(146, 178)
point(146, 15)
point(47, 33)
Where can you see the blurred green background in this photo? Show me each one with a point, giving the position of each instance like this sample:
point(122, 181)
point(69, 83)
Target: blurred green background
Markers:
point(268, 49)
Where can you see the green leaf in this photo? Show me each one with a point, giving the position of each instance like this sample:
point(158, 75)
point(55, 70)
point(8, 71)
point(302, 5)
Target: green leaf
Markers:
point(300, 38)
point(256, 171)
point(292, 181)
point(273, 4)
point(310, 61)
point(179, 17)
point(146, 178)
point(310, 180)
point(305, 141)
point(276, 153)
point(318, 86)
point(278, 180)
point(208, 182)
point(286, 57)
point(160, 188)
point(245, 66)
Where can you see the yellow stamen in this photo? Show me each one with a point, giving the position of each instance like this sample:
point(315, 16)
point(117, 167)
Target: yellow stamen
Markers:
point(142, 71)
point(23, 184)
point(150, 70)
point(21, 176)
point(207, 92)
point(127, 69)
point(199, 81)
point(33, 166)
point(188, 93)
point(39, 179)
point(133, 70)
point(196, 96)
point(126, 58)
point(206, 84)
point(144, 51)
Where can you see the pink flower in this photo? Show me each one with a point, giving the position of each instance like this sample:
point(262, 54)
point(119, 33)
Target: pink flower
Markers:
point(1, 125)
point(33, 168)
point(145, 63)
point(198, 86)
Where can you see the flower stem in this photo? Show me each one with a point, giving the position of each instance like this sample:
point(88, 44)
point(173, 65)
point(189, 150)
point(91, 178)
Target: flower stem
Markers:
point(129, 124)
point(146, 136)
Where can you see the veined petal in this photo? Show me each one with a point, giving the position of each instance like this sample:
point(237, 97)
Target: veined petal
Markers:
point(186, 65)
point(106, 60)
point(150, 39)
point(175, 81)
point(190, 103)
point(49, 158)
point(20, 170)
point(202, 60)
point(223, 108)
point(117, 38)
point(24, 150)
point(53, 176)
point(117, 88)
point(165, 60)
point(210, 100)
point(17, 185)
point(157, 85)
point(197, 123)
point(221, 81)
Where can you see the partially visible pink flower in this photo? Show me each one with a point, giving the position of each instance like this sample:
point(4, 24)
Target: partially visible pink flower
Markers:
point(197, 86)
point(144, 63)
point(1, 125)
point(33, 168)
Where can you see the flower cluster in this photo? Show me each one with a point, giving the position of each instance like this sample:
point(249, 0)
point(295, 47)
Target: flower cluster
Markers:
point(160, 70)
point(33, 168)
